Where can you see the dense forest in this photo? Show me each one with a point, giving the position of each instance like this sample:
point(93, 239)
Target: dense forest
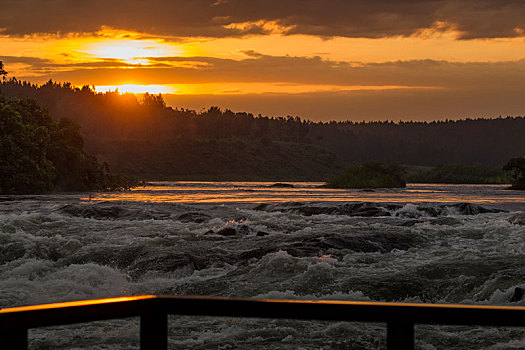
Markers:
point(370, 175)
point(145, 138)
point(40, 154)
point(461, 174)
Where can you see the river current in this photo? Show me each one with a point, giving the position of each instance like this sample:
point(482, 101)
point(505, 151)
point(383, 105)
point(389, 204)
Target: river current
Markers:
point(425, 243)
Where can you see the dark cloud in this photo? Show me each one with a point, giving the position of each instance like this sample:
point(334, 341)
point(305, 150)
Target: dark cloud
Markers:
point(258, 68)
point(211, 18)
point(32, 61)
point(454, 90)
point(44, 64)
point(447, 89)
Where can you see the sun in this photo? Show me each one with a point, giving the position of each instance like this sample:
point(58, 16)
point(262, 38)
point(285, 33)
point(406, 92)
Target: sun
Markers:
point(137, 89)
point(130, 51)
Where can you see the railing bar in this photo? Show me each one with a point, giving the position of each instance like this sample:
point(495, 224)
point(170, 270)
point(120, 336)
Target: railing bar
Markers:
point(15, 339)
point(154, 331)
point(153, 310)
point(400, 335)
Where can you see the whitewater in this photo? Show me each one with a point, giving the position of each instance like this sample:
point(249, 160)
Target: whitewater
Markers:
point(424, 243)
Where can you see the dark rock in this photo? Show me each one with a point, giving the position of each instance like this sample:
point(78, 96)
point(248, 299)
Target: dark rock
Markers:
point(408, 214)
point(262, 207)
point(256, 253)
point(291, 204)
point(281, 185)
point(353, 209)
point(93, 212)
point(431, 211)
point(337, 242)
point(369, 243)
point(367, 190)
point(366, 209)
point(392, 206)
point(517, 295)
point(194, 217)
point(350, 209)
point(228, 231)
point(105, 212)
point(362, 209)
point(243, 229)
point(262, 234)
point(473, 209)
point(410, 223)
point(312, 210)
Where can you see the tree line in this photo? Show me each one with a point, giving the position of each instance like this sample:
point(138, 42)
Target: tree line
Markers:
point(40, 154)
point(165, 142)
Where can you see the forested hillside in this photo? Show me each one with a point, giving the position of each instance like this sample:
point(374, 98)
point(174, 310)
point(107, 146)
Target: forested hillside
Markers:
point(144, 138)
point(39, 154)
point(468, 141)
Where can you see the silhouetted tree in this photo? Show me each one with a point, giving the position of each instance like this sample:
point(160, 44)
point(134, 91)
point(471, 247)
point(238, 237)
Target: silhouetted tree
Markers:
point(38, 154)
point(24, 167)
point(153, 101)
point(516, 166)
point(3, 73)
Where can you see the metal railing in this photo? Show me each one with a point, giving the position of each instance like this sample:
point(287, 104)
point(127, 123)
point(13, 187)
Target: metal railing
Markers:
point(153, 311)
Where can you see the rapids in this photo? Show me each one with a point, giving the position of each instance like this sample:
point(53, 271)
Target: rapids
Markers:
point(425, 243)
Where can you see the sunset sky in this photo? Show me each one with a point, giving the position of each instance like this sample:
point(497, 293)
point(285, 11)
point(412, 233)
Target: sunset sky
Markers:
point(321, 60)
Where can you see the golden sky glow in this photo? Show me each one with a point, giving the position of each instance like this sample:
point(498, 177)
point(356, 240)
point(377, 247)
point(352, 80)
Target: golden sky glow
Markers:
point(438, 46)
point(225, 55)
point(129, 51)
point(250, 88)
point(137, 89)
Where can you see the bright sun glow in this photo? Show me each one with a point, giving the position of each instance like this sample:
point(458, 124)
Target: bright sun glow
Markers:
point(137, 89)
point(131, 51)
point(243, 88)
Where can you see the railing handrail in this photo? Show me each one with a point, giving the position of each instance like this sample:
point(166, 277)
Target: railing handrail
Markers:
point(155, 308)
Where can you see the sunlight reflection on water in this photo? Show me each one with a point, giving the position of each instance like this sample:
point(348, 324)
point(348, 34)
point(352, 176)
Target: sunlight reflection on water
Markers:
point(263, 192)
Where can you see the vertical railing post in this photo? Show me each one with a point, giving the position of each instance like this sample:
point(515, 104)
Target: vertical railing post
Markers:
point(154, 331)
point(16, 339)
point(400, 335)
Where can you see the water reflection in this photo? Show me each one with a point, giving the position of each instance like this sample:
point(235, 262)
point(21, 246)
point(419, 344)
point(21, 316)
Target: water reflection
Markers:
point(263, 192)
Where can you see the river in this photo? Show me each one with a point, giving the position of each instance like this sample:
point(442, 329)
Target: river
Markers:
point(425, 243)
